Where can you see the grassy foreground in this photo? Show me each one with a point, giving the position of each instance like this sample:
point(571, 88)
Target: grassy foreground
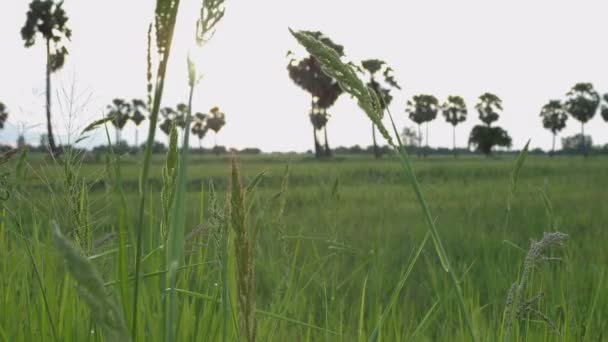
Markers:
point(335, 241)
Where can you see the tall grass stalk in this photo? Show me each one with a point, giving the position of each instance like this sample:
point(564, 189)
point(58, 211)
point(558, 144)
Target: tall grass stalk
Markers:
point(165, 18)
point(346, 76)
point(175, 242)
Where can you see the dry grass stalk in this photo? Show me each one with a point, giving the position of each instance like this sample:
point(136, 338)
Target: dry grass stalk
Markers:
point(516, 307)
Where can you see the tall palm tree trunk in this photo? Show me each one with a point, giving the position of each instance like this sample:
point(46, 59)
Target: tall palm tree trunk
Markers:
point(553, 146)
point(49, 126)
point(426, 150)
point(316, 140)
point(327, 150)
point(419, 140)
point(376, 151)
point(454, 140)
point(583, 139)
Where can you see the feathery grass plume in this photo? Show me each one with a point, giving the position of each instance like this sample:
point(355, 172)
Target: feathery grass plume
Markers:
point(244, 256)
point(149, 86)
point(106, 313)
point(77, 201)
point(347, 78)
point(517, 308)
point(165, 17)
point(164, 20)
point(169, 174)
point(212, 11)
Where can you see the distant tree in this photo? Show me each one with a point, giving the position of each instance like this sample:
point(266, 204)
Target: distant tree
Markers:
point(199, 127)
point(577, 142)
point(181, 115)
point(485, 137)
point(21, 141)
point(324, 91)
point(215, 121)
point(138, 115)
point(119, 110)
point(454, 111)
point(3, 114)
point(409, 137)
point(582, 102)
point(374, 66)
point(554, 118)
point(50, 20)
point(604, 110)
point(489, 107)
point(422, 108)
point(168, 114)
point(44, 142)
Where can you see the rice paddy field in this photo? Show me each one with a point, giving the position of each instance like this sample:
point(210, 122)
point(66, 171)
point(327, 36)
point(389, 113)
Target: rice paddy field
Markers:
point(333, 250)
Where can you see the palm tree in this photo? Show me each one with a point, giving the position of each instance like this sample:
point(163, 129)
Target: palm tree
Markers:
point(49, 19)
point(169, 116)
point(604, 110)
point(485, 137)
point(422, 108)
point(324, 90)
point(489, 107)
point(455, 111)
point(373, 66)
point(138, 107)
point(582, 102)
point(554, 118)
point(327, 97)
point(215, 121)
point(200, 128)
point(119, 110)
point(181, 115)
point(3, 115)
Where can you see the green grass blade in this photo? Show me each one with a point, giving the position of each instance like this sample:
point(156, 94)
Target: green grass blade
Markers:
point(105, 311)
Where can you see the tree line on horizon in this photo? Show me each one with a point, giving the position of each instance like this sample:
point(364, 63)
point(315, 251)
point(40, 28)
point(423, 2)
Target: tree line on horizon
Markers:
point(581, 102)
point(46, 19)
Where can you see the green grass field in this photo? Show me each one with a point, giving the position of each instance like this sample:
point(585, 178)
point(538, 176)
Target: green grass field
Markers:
point(335, 240)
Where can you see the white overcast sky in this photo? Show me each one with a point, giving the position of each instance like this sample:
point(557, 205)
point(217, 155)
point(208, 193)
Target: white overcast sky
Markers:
point(527, 52)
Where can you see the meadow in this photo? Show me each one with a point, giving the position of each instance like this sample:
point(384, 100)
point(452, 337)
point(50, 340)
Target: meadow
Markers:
point(342, 251)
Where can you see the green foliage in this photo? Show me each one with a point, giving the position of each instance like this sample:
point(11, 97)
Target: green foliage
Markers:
point(577, 142)
point(245, 237)
point(169, 175)
point(50, 20)
point(604, 109)
point(422, 108)
point(3, 114)
point(582, 102)
point(216, 119)
point(554, 116)
point(484, 138)
point(489, 107)
point(119, 112)
point(212, 11)
point(383, 92)
point(91, 289)
point(139, 111)
point(454, 110)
